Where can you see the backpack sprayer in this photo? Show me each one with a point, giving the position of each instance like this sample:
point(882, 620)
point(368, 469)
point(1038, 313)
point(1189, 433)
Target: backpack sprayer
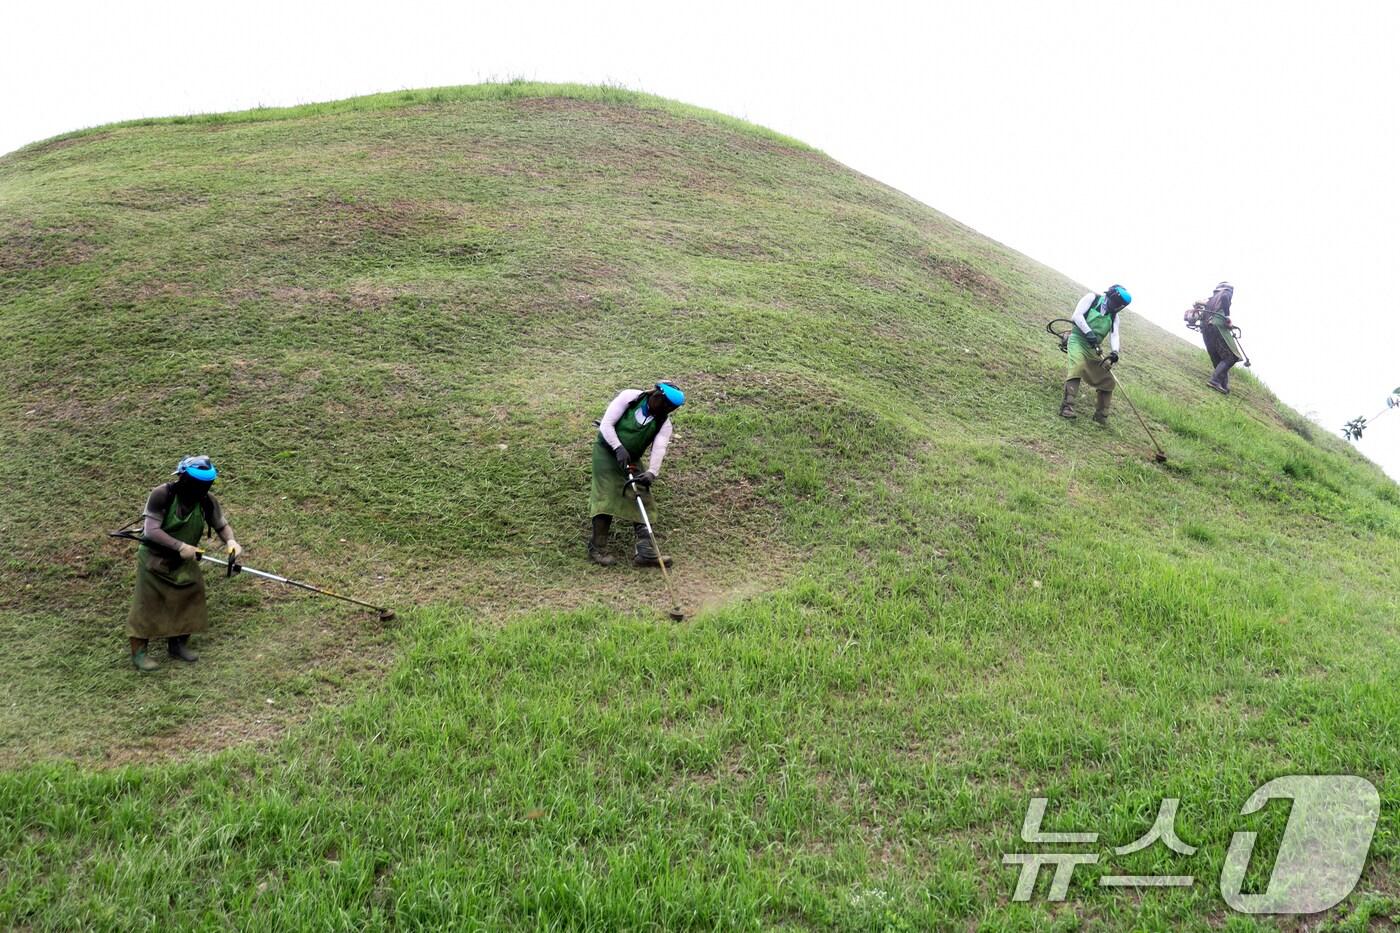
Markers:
point(232, 567)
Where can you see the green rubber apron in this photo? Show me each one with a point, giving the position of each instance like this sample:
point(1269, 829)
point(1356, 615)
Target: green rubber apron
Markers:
point(608, 497)
point(169, 596)
point(1217, 320)
point(1084, 362)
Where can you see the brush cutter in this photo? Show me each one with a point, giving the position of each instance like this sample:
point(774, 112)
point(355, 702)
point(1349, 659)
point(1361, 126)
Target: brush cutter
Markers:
point(232, 566)
point(1061, 333)
point(675, 613)
point(1237, 332)
point(1161, 455)
point(1194, 315)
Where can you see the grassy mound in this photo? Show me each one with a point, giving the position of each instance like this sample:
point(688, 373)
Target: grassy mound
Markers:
point(924, 597)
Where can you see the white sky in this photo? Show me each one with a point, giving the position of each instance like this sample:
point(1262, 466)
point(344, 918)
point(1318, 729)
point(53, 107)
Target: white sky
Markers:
point(1162, 145)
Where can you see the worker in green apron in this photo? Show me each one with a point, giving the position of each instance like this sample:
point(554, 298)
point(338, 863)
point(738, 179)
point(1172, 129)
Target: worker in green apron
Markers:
point(1218, 332)
point(634, 421)
point(1095, 319)
point(169, 600)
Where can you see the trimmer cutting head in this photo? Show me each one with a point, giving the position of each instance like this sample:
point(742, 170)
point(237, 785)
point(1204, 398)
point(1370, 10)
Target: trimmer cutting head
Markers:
point(676, 614)
point(386, 615)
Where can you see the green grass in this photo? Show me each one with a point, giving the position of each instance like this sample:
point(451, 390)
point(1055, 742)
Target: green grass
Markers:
point(919, 598)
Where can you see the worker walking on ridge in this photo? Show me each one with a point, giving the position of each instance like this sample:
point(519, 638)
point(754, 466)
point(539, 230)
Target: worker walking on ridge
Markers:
point(634, 421)
point(1095, 317)
point(1217, 331)
point(169, 601)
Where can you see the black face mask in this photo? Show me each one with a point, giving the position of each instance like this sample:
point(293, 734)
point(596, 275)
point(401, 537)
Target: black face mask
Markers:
point(189, 490)
point(658, 405)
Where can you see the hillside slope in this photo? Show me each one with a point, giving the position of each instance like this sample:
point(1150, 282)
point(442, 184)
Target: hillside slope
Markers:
point(926, 598)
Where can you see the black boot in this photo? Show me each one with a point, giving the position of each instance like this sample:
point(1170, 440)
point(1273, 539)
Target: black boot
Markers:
point(598, 544)
point(1071, 390)
point(1220, 379)
point(646, 553)
point(1101, 407)
point(179, 649)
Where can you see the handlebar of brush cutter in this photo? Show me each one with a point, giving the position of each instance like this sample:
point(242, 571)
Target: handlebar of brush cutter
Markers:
point(232, 566)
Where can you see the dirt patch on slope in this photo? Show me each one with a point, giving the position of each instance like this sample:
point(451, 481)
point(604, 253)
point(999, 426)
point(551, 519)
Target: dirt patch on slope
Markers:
point(30, 249)
point(963, 276)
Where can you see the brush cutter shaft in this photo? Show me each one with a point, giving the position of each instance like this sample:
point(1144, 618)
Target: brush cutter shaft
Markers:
point(234, 567)
point(660, 559)
point(301, 586)
point(1241, 346)
point(1161, 454)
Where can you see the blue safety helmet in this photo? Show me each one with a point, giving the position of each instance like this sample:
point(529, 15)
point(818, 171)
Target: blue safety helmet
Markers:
point(200, 468)
point(1123, 293)
point(673, 395)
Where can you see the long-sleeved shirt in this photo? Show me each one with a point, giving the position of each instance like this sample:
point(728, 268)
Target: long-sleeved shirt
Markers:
point(616, 409)
point(1219, 303)
point(163, 498)
point(1079, 321)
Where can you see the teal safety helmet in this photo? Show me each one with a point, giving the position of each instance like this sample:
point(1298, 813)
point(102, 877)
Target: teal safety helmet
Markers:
point(200, 468)
point(673, 394)
point(1124, 295)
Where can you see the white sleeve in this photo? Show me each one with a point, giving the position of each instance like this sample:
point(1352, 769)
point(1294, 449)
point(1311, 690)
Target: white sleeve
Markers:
point(1080, 310)
point(1113, 337)
point(616, 409)
point(658, 448)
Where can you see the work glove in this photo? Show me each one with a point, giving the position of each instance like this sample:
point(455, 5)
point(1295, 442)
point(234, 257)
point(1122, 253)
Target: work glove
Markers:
point(1113, 357)
point(188, 552)
point(624, 459)
point(645, 479)
point(234, 549)
point(1093, 339)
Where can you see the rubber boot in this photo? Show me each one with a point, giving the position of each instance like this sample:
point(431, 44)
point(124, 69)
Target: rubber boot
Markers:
point(1071, 391)
point(179, 649)
point(1101, 407)
point(1220, 379)
point(645, 555)
point(598, 543)
point(139, 658)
